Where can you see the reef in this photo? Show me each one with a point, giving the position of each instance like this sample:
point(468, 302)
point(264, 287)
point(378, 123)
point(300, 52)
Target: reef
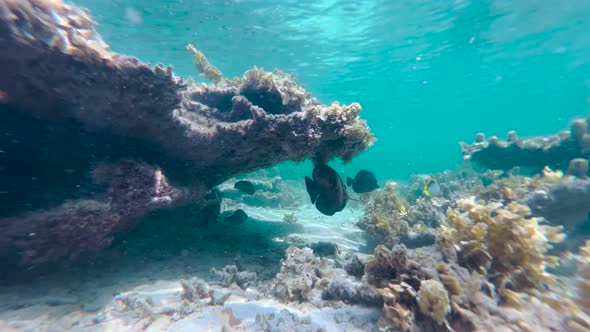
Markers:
point(308, 294)
point(560, 199)
point(385, 217)
point(434, 289)
point(493, 265)
point(580, 319)
point(390, 219)
point(504, 242)
point(94, 140)
point(564, 203)
point(452, 183)
point(300, 274)
point(555, 151)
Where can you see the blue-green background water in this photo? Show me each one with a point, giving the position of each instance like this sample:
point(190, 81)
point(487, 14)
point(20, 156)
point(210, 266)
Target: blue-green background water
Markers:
point(428, 73)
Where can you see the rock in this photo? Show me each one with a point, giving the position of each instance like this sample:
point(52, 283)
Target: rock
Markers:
point(554, 151)
point(324, 248)
point(108, 139)
point(230, 275)
point(352, 292)
point(356, 265)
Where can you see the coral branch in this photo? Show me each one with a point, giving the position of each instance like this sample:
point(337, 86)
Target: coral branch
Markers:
point(205, 69)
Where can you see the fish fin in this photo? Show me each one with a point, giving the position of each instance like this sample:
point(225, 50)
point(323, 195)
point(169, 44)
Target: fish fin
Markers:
point(354, 199)
point(311, 189)
point(324, 207)
point(349, 181)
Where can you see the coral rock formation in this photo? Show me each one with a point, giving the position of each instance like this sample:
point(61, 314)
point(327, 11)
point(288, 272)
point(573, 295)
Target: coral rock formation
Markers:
point(433, 300)
point(566, 202)
point(578, 167)
point(554, 151)
point(390, 219)
point(299, 275)
point(423, 291)
point(502, 241)
point(385, 217)
point(73, 106)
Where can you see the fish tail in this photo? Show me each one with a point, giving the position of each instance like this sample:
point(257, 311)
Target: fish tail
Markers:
point(349, 181)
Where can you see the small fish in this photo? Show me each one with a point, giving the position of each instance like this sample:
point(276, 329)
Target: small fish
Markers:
point(363, 182)
point(326, 190)
point(245, 186)
point(236, 218)
point(431, 188)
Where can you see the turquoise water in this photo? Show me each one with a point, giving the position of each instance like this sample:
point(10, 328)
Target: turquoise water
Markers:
point(428, 73)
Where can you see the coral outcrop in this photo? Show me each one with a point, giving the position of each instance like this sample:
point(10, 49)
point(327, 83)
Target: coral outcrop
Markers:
point(555, 151)
point(433, 300)
point(504, 242)
point(423, 291)
point(300, 274)
point(561, 199)
point(72, 108)
point(389, 219)
point(385, 217)
point(578, 167)
point(564, 203)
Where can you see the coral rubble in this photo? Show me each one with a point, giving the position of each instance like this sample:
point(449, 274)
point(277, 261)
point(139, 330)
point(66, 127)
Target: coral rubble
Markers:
point(73, 107)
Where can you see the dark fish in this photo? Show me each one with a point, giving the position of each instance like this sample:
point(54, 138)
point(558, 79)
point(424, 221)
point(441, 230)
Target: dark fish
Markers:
point(211, 207)
point(245, 186)
point(236, 218)
point(363, 182)
point(326, 190)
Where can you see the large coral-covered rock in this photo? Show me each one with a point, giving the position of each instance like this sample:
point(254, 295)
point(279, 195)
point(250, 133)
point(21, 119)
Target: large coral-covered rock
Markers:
point(566, 202)
point(71, 108)
point(554, 151)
